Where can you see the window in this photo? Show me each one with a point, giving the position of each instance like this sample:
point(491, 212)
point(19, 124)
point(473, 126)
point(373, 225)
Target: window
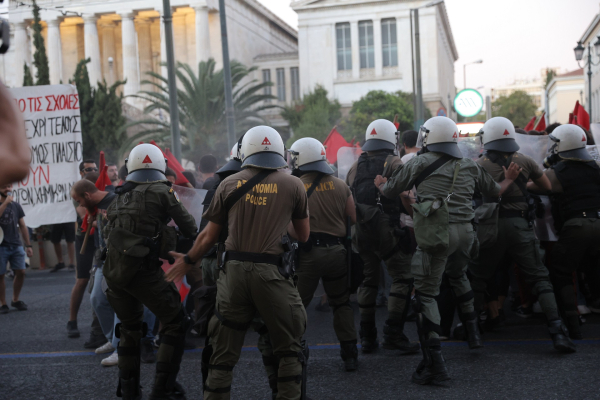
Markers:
point(344, 46)
point(366, 44)
point(389, 43)
point(280, 84)
point(295, 83)
point(267, 78)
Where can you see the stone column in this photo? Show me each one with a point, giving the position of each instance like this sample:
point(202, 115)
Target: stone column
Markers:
point(108, 51)
point(355, 49)
point(92, 49)
point(202, 34)
point(378, 49)
point(21, 47)
point(130, 58)
point(54, 52)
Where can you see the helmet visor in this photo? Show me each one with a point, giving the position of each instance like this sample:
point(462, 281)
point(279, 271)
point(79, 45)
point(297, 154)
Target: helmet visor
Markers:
point(422, 137)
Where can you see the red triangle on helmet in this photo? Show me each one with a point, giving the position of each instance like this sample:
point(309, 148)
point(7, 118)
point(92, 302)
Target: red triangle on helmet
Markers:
point(583, 139)
point(373, 132)
point(454, 136)
point(266, 142)
point(322, 152)
point(506, 133)
point(147, 160)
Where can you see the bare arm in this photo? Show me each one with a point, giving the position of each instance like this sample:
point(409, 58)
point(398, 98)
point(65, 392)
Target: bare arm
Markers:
point(25, 235)
point(543, 183)
point(205, 240)
point(533, 187)
point(301, 229)
point(351, 209)
point(14, 148)
point(81, 211)
point(510, 175)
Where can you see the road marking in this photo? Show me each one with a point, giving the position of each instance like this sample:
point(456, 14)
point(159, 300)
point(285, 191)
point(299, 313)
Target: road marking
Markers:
point(318, 346)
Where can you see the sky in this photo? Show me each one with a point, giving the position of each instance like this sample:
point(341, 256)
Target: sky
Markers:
point(516, 39)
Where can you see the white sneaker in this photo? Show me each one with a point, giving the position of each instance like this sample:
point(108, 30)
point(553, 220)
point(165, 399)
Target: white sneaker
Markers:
point(583, 310)
point(105, 348)
point(111, 360)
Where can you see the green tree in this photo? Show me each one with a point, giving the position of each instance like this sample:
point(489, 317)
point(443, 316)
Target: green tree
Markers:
point(40, 58)
point(550, 74)
point(313, 116)
point(106, 129)
point(81, 80)
point(201, 102)
point(518, 107)
point(27, 78)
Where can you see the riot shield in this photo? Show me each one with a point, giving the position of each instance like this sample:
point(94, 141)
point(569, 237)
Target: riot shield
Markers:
point(544, 227)
point(470, 147)
point(593, 150)
point(192, 201)
point(535, 147)
point(346, 156)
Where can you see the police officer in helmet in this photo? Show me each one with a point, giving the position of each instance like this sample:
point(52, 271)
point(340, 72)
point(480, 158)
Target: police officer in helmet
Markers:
point(256, 204)
point(378, 237)
point(515, 234)
point(137, 235)
point(575, 185)
point(445, 183)
point(324, 255)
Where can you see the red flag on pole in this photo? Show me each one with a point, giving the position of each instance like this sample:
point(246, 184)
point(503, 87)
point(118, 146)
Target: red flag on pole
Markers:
point(174, 165)
point(576, 109)
point(541, 125)
point(570, 118)
point(333, 143)
point(102, 161)
point(530, 125)
point(583, 118)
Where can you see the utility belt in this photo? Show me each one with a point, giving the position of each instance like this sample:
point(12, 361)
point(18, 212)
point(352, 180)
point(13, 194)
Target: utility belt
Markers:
point(535, 208)
point(583, 214)
point(505, 200)
point(284, 266)
point(504, 213)
point(320, 239)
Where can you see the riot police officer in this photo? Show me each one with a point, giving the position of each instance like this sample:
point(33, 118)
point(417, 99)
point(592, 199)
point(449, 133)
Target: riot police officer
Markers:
point(445, 183)
point(324, 255)
point(256, 205)
point(575, 182)
point(515, 235)
point(378, 238)
point(136, 235)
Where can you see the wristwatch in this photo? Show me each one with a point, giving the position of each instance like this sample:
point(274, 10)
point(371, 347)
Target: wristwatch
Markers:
point(188, 260)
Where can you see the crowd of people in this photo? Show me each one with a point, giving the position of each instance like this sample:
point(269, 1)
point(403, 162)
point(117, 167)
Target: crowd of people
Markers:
point(454, 235)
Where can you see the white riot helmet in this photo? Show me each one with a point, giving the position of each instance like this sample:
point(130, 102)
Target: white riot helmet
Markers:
point(146, 163)
point(499, 134)
point(569, 142)
point(440, 134)
point(308, 154)
point(234, 164)
point(381, 135)
point(262, 147)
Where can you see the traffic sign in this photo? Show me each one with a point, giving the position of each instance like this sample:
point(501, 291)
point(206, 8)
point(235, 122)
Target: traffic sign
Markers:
point(468, 102)
point(441, 112)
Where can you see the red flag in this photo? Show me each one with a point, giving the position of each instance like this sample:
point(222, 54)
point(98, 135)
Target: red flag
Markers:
point(570, 118)
point(576, 109)
point(333, 143)
point(396, 123)
point(175, 166)
point(102, 161)
point(530, 125)
point(541, 125)
point(583, 118)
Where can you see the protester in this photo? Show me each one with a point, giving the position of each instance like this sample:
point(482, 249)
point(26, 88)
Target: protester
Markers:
point(208, 167)
point(11, 249)
point(113, 173)
point(15, 154)
point(171, 175)
point(189, 175)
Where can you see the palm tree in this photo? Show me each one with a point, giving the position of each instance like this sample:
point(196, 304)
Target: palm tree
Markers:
point(201, 100)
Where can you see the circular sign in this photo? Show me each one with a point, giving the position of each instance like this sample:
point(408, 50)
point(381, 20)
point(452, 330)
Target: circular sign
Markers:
point(441, 112)
point(468, 102)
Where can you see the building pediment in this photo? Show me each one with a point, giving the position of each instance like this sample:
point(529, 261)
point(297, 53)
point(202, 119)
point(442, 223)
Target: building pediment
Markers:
point(300, 5)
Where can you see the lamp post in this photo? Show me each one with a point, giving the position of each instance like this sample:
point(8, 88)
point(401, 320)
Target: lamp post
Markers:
point(173, 105)
point(465, 71)
point(579, 49)
point(418, 93)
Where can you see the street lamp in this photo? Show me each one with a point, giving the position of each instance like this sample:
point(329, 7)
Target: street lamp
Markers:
point(416, 63)
point(579, 49)
point(465, 71)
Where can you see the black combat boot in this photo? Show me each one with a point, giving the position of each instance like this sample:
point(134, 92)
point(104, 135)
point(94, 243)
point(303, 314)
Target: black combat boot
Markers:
point(161, 391)
point(560, 337)
point(473, 334)
point(433, 366)
point(573, 324)
point(395, 339)
point(129, 386)
point(349, 353)
point(368, 337)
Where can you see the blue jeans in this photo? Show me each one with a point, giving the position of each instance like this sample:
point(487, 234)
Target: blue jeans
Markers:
point(13, 254)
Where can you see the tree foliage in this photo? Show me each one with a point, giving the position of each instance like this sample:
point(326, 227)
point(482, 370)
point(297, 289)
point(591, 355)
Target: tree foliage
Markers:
point(518, 107)
point(550, 74)
point(81, 80)
point(40, 58)
point(313, 116)
point(27, 77)
point(201, 102)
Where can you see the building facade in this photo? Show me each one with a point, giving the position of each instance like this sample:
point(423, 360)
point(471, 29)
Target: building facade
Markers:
point(588, 39)
point(562, 93)
point(351, 47)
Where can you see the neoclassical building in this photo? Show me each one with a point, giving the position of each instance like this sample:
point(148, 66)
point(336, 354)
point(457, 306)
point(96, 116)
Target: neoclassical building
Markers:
point(348, 46)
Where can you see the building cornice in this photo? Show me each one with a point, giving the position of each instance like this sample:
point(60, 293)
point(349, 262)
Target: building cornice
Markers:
point(590, 29)
point(272, 17)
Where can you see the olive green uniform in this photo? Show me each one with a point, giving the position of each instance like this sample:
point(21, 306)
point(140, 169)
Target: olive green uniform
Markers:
point(428, 268)
point(134, 276)
point(256, 224)
point(376, 240)
point(516, 238)
point(325, 255)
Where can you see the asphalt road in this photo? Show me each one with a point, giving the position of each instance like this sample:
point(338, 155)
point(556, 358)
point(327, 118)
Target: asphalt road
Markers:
point(38, 361)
